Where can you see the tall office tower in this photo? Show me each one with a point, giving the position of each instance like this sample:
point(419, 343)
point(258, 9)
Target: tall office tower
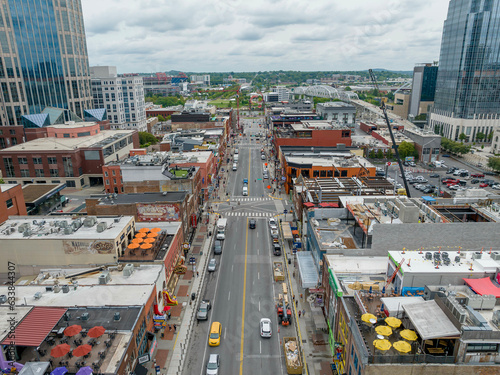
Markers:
point(423, 88)
point(467, 98)
point(43, 58)
point(123, 97)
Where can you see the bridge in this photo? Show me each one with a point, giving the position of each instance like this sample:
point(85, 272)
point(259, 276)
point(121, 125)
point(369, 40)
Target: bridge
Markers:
point(323, 91)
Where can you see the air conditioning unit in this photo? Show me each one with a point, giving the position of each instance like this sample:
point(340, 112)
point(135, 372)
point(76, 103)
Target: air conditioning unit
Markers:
point(477, 255)
point(65, 288)
point(85, 316)
point(101, 227)
point(495, 255)
point(104, 278)
point(37, 295)
point(116, 317)
point(27, 232)
point(128, 270)
point(68, 230)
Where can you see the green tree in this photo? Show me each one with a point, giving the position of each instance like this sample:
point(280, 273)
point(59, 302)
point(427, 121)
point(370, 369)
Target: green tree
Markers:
point(389, 155)
point(2, 181)
point(161, 118)
point(490, 136)
point(372, 154)
point(146, 139)
point(423, 117)
point(480, 136)
point(380, 154)
point(347, 88)
point(494, 163)
point(462, 137)
point(406, 149)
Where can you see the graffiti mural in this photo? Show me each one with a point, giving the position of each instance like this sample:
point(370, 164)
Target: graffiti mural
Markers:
point(158, 212)
point(87, 247)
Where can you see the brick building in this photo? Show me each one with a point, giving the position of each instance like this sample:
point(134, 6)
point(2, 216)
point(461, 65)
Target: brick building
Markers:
point(11, 201)
point(11, 136)
point(312, 134)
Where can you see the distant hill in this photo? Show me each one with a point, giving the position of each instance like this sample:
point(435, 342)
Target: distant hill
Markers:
point(407, 72)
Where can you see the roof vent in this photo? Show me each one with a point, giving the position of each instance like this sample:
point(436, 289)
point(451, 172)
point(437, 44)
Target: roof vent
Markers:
point(37, 295)
point(116, 317)
point(128, 270)
point(477, 255)
point(65, 288)
point(101, 227)
point(104, 278)
point(3, 298)
point(85, 316)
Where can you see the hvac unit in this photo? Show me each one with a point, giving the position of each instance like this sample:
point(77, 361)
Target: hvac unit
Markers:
point(495, 255)
point(104, 278)
point(101, 227)
point(63, 224)
point(68, 230)
point(27, 232)
point(85, 316)
point(116, 317)
point(67, 316)
point(65, 288)
point(49, 288)
point(128, 270)
point(3, 298)
point(37, 295)
point(477, 255)
point(89, 221)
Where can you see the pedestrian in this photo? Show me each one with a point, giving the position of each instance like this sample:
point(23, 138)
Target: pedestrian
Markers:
point(293, 297)
point(175, 328)
point(170, 328)
point(296, 303)
point(299, 313)
point(197, 274)
point(168, 314)
point(303, 313)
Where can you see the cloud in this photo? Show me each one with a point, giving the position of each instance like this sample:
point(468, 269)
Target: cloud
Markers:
point(238, 35)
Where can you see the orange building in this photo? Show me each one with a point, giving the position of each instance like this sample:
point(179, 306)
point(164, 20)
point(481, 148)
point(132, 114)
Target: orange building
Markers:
point(11, 201)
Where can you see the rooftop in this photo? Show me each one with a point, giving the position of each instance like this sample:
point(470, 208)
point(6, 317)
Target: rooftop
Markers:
point(345, 161)
point(336, 105)
point(166, 196)
point(5, 187)
point(63, 227)
point(101, 139)
point(317, 125)
point(160, 158)
point(35, 192)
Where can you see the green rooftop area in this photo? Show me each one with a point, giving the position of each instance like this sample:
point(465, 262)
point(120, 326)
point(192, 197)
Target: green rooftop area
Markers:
point(179, 172)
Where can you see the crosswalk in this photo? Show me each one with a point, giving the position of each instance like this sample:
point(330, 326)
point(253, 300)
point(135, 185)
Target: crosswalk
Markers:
point(249, 214)
point(250, 199)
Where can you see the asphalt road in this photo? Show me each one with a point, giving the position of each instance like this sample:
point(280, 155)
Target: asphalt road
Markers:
point(241, 289)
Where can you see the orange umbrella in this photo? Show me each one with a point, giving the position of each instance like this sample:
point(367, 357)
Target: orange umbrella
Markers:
point(152, 234)
point(82, 350)
point(96, 331)
point(73, 330)
point(149, 240)
point(133, 246)
point(137, 240)
point(156, 230)
point(60, 350)
point(146, 246)
point(143, 230)
point(140, 235)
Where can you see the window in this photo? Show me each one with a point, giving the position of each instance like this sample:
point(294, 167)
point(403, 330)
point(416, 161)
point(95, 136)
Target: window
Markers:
point(54, 172)
point(66, 135)
point(14, 141)
point(322, 173)
point(482, 347)
point(39, 173)
point(106, 174)
point(68, 167)
point(22, 160)
point(343, 173)
point(9, 167)
point(9, 203)
point(37, 160)
point(426, 151)
point(114, 181)
point(346, 133)
point(70, 183)
point(12, 132)
point(114, 174)
point(25, 172)
point(52, 160)
point(107, 182)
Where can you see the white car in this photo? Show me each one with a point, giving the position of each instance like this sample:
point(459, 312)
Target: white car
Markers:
point(272, 222)
point(496, 187)
point(265, 328)
point(213, 364)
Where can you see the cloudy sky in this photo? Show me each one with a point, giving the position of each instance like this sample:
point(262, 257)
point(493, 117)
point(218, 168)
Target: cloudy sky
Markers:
point(260, 35)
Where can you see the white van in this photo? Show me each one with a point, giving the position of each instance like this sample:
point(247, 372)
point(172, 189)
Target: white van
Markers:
point(235, 166)
point(245, 190)
point(236, 158)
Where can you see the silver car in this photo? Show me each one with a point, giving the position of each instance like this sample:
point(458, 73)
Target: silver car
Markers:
point(212, 265)
point(265, 327)
point(213, 364)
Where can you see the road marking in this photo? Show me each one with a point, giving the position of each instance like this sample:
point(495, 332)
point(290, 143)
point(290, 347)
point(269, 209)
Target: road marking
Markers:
point(258, 252)
point(259, 305)
point(257, 234)
point(229, 296)
point(225, 328)
point(260, 347)
point(232, 267)
point(258, 275)
point(244, 295)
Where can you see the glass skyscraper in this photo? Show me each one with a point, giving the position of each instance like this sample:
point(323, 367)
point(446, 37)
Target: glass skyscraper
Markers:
point(468, 81)
point(43, 60)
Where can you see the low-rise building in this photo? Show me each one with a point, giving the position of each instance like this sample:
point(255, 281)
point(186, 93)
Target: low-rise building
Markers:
point(427, 143)
point(42, 199)
point(340, 112)
point(76, 161)
point(312, 134)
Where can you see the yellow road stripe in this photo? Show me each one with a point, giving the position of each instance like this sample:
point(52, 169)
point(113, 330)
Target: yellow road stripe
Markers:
point(243, 307)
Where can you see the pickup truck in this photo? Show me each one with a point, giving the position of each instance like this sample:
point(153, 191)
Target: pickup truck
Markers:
point(203, 310)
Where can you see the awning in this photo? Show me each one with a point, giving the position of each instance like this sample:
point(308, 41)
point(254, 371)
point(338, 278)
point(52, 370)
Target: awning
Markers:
point(140, 370)
point(307, 270)
point(295, 232)
point(309, 205)
point(483, 286)
point(36, 326)
point(34, 368)
point(426, 198)
point(287, 232)
point(329, 204)
point(430, 321)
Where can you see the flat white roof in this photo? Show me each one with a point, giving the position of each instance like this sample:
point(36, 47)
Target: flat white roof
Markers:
point(186, 156)
point(419, 264)
point(142, 275)
point(20, 313)
point(49, 228)
point(429, 320)
point(329, 161)
point(360, 264)
point(95, 295)
point(5, 187)
point(66, 144)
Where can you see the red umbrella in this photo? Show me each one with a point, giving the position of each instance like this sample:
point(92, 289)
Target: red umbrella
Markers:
point(73, 330)
point(60, 350)
point(82, 350)
point(96, 331)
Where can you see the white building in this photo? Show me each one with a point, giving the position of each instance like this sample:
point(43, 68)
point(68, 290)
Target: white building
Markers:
point(201, 79)
point(495, 142)
point(123, 97)
point(283, 93)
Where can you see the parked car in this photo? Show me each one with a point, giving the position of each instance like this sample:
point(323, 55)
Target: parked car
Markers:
point(474, 181)
point(454, 187)
point(483, 185)
point(213, 364)
point(203, 310)
point(449, 181)
point(212, 265)
point(477, 175)
point(217, 247)
point(429, 191)
point(496, 187)
point(434, 175)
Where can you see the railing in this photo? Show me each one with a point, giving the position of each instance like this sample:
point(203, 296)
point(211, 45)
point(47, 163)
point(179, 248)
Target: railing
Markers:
point(410, 358)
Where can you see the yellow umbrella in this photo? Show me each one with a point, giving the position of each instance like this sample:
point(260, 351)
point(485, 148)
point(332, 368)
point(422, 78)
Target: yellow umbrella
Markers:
point(408, 334)
point(143, 230)
point(383, 330)
point(382, 344)
point(393, 322)
point(402, 346)
point(367, 317)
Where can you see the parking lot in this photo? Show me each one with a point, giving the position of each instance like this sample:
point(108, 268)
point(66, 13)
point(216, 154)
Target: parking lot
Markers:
point(431, 178)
